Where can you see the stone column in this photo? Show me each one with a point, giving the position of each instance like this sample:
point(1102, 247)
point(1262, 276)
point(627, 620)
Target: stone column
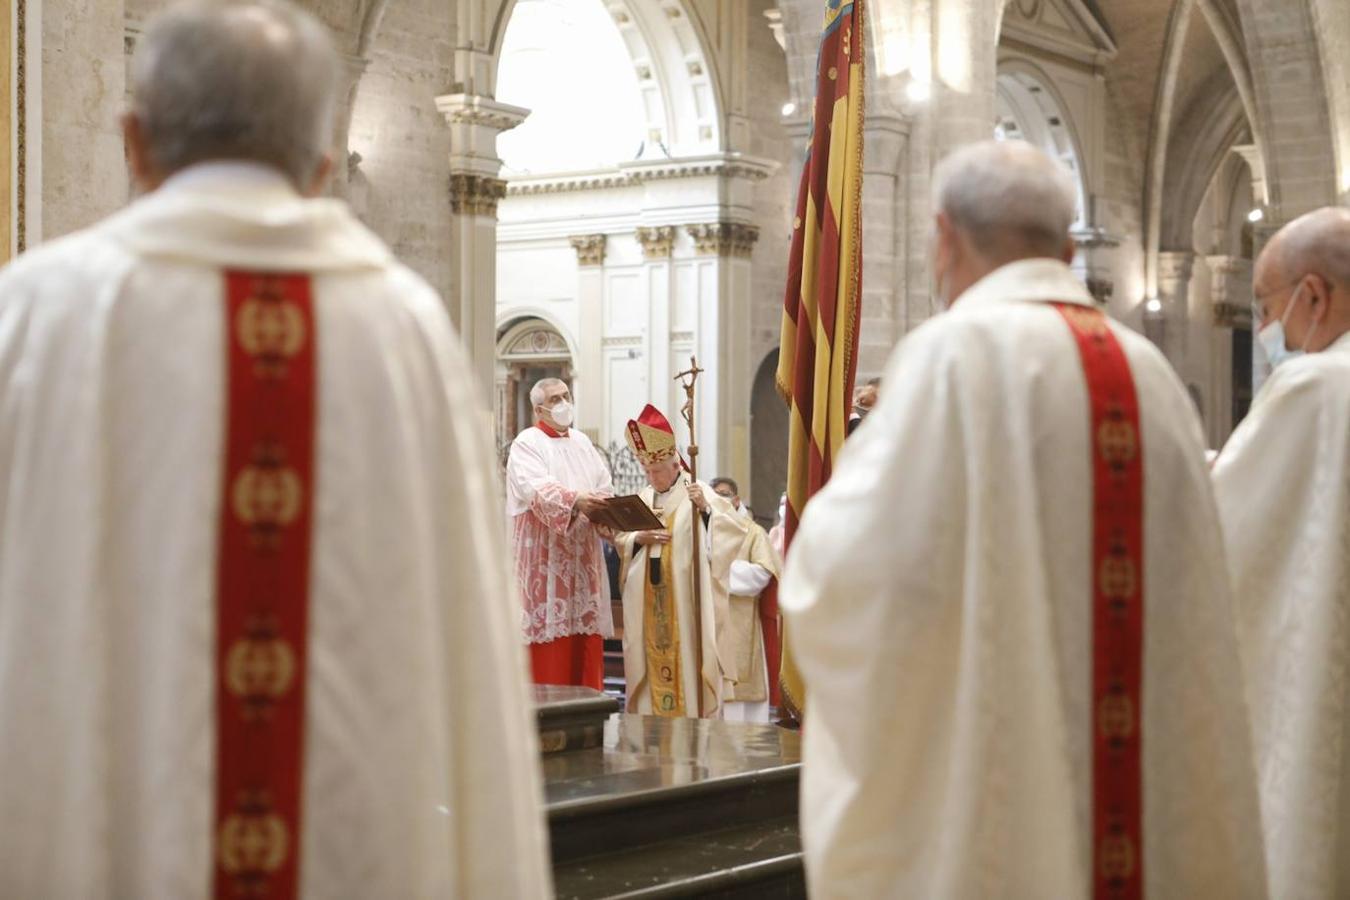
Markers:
point(1230, 313)
point(588, 390)
point(1174, 284)
point(475, 122)
point(723, 347)
point(658, 245)
point(345, 161)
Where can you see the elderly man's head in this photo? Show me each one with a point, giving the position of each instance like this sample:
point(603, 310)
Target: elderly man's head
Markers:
point(252, 81)
point(1302, 282)
point(998, 202)
point(552, 402)
point(662, 473)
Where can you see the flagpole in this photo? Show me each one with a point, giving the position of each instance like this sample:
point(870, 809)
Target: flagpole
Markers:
point(688, 379)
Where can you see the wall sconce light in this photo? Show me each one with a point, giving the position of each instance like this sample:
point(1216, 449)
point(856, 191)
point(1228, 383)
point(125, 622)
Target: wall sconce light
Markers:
point(1153, 307)
point(789, 108)
point(1256, 215)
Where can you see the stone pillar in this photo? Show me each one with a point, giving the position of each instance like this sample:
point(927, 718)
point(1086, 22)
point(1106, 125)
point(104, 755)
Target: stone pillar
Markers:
point(75, 92)
point(344, 161)
point(723, 347)
point(475, 122)
point(658, 245)
point(588, 390)
point(1174, 284)
point(1229, 311)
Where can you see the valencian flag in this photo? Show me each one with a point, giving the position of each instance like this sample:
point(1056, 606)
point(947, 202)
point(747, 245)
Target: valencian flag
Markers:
point(819, 352)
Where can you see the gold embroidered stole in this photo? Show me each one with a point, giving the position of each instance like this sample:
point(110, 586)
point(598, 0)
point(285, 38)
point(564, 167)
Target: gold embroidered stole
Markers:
point(661, 632)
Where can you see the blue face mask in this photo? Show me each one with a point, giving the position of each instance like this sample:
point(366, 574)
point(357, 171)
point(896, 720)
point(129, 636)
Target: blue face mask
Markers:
point(1273, 340)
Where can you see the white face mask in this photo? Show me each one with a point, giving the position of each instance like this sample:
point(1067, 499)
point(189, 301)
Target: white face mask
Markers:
point(561, 413)
point(1272, 337)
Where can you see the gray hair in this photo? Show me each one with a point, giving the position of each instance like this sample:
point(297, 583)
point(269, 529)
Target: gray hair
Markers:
point(1011, 198)
point(543, 384)
point(253, 80)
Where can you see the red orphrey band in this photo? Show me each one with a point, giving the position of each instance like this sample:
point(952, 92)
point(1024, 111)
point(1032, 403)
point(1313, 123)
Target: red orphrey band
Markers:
point(262, 588)
point(1117, 607)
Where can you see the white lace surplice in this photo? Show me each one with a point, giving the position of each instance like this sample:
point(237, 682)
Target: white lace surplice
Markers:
point(558, 560)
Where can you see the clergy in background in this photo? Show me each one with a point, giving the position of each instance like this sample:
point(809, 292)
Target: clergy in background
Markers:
point(661, 638)
point(257, 625)
point(1010, 604)
point(750, 634)
point(1283, 486)
point(554, 478)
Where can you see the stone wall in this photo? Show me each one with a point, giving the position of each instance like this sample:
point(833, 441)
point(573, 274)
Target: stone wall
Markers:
point(400, 187)
point(78, 97)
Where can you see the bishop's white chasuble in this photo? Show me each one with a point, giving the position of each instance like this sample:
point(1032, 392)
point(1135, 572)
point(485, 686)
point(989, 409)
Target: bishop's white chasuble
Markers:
point(1283, 487)
point(258, 635)
point(1010, 608)
point(660, 659)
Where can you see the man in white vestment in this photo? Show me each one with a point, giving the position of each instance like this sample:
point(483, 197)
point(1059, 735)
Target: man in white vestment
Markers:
point(257, 625)
point(1283, 487)
point(662, 644)
point(1009, 604)
point(750, 633)
point(554, 478)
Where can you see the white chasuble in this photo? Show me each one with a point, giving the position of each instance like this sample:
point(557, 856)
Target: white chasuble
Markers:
point(720, 540)
point(940, 594)
point(419, 775)
point(1283, 487)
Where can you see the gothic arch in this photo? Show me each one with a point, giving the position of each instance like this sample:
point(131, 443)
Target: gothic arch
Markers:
point(1028, 94)
point(1298, 148)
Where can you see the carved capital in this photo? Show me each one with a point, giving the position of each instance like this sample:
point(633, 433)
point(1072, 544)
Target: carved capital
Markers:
point(475, 195)
point(657, 242)
point(590, 249)
point(1232, 315)
point(724, 238)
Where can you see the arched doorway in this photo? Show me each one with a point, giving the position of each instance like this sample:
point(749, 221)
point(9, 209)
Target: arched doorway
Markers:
point(768, 442)
point(527, 350)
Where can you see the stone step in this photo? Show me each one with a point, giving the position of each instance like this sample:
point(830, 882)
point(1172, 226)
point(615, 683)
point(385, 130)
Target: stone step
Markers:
point(762, 860)
point(571, 718)
point(677, 808)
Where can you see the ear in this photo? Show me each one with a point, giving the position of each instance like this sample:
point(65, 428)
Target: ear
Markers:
point(143, 171)
point(319, 183)
point(1069, 252)
point(1319, 297)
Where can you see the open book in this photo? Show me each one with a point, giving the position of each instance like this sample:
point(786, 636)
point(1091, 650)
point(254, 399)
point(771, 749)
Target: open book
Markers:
point(627, 513)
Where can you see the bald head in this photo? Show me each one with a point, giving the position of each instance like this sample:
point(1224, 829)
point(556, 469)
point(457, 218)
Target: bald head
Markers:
point(1307, 261)
point(253, 81)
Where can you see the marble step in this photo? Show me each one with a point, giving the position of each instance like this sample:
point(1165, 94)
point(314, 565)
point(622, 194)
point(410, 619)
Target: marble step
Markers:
point(755, 861)
point(677, 808)
point(571, 718)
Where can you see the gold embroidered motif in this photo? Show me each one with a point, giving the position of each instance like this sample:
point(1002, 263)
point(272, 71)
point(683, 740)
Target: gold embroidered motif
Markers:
point(253, 842)
point(661, 635)
point(260, 670)
point(271, 329)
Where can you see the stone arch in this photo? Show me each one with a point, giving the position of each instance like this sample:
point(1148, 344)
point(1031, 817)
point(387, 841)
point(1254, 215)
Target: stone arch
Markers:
point(1026, 93)
point(1200, 147)
point(768, 441)
point(676, 75)
point(1298, 149)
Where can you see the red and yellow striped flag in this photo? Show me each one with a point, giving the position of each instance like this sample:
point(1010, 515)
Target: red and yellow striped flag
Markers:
point(819, 352)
